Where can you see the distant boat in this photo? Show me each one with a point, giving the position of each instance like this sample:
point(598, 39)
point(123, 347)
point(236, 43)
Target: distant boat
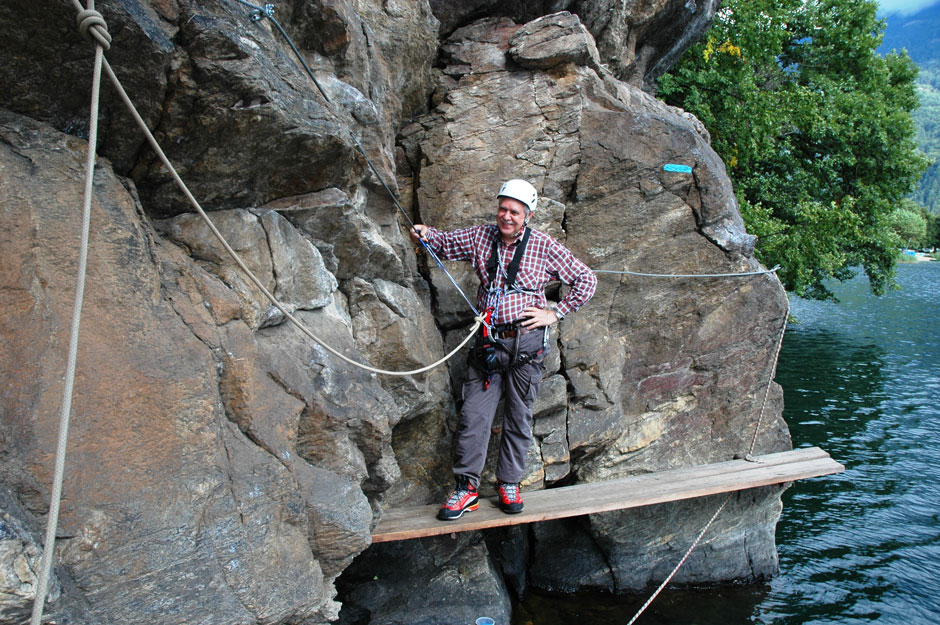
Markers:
point(915, 255)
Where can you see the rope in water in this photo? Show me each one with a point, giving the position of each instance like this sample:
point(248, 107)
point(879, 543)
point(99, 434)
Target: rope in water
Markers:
point(747, 456)
point(93, 28)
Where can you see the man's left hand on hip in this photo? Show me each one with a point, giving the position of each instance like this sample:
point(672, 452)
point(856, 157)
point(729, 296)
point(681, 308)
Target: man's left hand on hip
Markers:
point(538, 317)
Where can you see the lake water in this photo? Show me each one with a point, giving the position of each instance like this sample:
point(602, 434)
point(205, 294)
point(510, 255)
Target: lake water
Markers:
point(861, 379)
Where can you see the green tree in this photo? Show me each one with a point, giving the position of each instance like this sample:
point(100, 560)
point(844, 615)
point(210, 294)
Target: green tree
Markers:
point(910, 224)
point(933, 230)
point(815, 129)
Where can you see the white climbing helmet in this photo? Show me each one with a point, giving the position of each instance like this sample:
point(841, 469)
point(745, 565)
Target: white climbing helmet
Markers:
point(520, 190)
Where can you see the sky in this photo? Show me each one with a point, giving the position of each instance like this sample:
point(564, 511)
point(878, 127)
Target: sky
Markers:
point(904, 7)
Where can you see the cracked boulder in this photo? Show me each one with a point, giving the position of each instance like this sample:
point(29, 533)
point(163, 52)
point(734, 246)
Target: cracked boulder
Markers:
point(448, 580)
point(286, 263)
point(637, 40)
point(232, 106)
point(187, 498)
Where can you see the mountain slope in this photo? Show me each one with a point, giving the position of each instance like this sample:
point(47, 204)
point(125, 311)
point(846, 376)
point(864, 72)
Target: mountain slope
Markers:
point(919, 34)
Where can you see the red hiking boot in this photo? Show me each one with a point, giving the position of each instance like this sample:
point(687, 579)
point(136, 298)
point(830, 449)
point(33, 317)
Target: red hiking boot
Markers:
point(510, 497)
point(463, 499)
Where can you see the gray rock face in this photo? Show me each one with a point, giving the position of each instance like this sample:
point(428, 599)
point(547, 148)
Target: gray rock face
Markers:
point(639, 40)
point(173, 474)
point(20, 556)
point(223, 467)
point(654, 372)
point(432, 581)
point(554, 40)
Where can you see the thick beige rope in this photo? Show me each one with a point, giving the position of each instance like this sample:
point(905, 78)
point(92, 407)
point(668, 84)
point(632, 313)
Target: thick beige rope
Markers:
point(93, 26)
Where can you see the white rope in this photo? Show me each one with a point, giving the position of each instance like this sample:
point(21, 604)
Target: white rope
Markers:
point(52, 522)
point(682, 561)
point(234, 255)
point(773, 374)
point(689, 275)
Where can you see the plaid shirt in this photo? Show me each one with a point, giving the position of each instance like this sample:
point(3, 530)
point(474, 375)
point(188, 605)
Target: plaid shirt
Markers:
point(544, 260)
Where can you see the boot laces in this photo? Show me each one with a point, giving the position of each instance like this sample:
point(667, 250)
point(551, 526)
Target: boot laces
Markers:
point(462, 490)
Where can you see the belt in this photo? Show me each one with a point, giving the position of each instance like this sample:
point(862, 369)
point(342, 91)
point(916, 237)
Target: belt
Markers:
point(508, 331)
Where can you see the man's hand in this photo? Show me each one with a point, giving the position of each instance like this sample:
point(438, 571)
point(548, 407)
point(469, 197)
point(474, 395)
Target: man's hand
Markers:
point(418, 233)
point(538, 317)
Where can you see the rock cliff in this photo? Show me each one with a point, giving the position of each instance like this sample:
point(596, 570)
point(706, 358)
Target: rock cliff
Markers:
point(222, 467)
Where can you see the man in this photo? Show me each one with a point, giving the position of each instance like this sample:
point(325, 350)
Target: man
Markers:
point(514, 263)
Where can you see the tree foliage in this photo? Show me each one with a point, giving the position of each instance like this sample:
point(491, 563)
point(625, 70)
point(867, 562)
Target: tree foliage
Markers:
point(910, 224)
point(815, 129)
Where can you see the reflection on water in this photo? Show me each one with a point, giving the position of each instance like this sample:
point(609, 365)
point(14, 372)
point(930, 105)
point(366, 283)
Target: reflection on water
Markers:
point(861, 380)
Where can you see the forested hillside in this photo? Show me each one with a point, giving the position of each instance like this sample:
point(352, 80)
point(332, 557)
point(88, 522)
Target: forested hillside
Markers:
point(919, 35)
point(927, 118)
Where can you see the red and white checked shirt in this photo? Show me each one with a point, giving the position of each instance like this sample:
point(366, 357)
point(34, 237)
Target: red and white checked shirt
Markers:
point(544, 260)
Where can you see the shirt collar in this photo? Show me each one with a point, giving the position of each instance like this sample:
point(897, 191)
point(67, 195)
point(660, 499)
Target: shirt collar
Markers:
point(515, 239)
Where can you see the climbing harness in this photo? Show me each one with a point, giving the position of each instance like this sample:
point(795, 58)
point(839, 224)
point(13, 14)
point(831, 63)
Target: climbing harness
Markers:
point(495, 293)
point(484, 356)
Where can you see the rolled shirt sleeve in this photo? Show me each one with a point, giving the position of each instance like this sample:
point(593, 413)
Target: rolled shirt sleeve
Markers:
point(576, 274)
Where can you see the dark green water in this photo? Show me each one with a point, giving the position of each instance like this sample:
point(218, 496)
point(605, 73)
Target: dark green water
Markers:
point(861, 379)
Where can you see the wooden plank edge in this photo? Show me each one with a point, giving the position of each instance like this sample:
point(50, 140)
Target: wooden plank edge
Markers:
point(667, 477)
point(827, 466)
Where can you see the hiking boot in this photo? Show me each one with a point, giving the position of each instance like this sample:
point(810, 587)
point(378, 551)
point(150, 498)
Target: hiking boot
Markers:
point(510, 497)
point(463, 499)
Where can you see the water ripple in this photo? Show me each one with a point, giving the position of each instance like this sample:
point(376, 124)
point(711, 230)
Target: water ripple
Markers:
point(860, 380)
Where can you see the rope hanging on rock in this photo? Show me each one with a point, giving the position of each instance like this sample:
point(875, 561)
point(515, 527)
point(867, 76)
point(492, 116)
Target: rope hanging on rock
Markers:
point(690, 275)
point(238, 260)
point(95, 30)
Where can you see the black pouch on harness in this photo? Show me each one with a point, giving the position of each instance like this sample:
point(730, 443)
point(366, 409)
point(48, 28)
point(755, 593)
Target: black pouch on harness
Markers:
point(484, 355)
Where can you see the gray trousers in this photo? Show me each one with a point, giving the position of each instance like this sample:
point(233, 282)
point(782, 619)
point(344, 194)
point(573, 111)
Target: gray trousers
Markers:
point(519, 386)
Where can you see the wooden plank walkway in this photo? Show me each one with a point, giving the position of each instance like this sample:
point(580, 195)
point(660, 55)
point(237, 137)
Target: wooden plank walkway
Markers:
point(630, 492)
